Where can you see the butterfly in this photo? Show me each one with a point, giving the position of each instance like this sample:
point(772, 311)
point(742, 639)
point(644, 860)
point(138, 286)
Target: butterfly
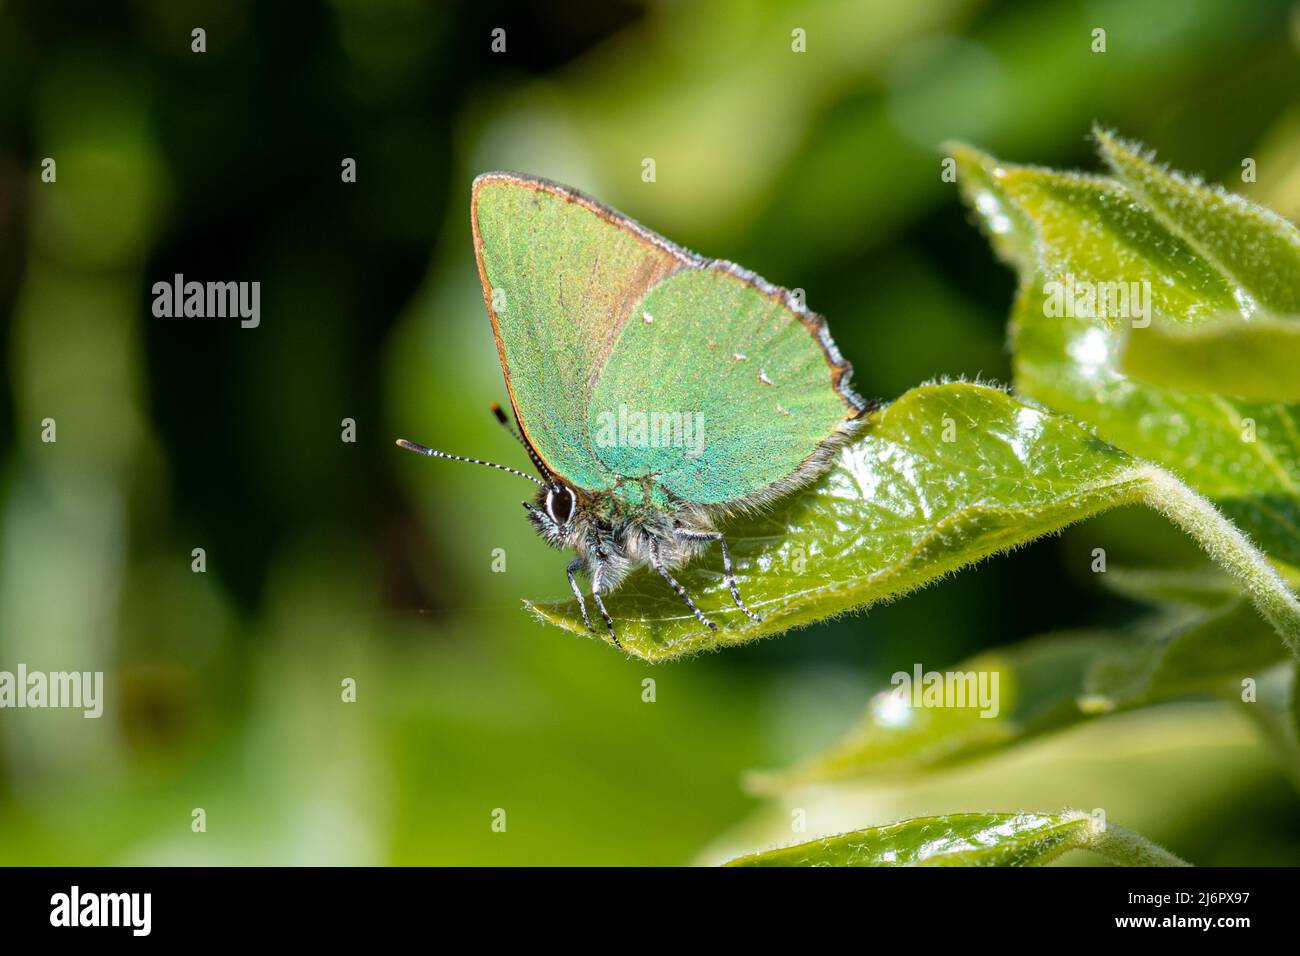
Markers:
point(655, 392)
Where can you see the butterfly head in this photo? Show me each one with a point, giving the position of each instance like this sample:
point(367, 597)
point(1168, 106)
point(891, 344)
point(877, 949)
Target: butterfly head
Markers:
point(554, 512)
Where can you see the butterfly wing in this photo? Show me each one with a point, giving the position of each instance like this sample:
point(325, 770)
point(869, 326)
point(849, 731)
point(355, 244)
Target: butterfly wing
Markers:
point(599, 320)
point(749, 391)
point(561, 274)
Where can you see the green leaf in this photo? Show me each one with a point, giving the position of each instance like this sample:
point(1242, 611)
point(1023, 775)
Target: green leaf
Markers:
point(1255, 359)
point(1043, 685)
point(1181, 654)
point(971, 839)
point(1062, 228)
point(901, 507)
point(1293, 718)
point(1253, 248)
point(1203, 587)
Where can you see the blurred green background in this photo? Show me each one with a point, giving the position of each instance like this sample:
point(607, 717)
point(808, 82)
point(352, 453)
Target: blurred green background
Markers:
point(329, 560)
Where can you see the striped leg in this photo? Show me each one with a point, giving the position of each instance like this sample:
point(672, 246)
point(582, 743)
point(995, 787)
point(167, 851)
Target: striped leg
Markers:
point(574, 565)
point(597, 578)
point(672, 582)
point(726, 565)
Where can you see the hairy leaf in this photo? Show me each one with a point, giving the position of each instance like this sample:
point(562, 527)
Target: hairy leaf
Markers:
point(970, 839)
point(1253, 248)
point(1193, 255)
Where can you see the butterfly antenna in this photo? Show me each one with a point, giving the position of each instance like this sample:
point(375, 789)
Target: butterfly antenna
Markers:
point(429, 452)
point(519, 437)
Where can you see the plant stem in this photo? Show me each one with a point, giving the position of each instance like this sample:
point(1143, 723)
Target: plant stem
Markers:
point(1128, 849)
point(1225, 543)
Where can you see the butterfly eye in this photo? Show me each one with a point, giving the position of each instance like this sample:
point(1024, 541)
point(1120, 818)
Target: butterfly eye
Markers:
point(559, 504)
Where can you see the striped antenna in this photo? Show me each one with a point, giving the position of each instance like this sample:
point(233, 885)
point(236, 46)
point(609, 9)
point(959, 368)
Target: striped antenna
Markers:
point(519, 437)
point(429, 452)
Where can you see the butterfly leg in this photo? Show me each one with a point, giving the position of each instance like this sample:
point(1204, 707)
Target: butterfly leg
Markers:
point(577, 592)
point(597, 578)
point(657, 564)
point(726, 565)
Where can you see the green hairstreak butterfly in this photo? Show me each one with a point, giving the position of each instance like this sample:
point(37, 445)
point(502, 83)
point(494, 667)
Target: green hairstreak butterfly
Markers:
point(655, 391)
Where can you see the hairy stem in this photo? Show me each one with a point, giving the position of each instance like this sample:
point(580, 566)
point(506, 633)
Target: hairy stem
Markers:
point(1129, 849)
point(1230, 548)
